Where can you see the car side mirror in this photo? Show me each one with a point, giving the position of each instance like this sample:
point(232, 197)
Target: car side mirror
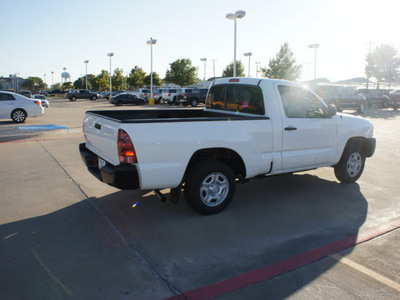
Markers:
point(331, 111)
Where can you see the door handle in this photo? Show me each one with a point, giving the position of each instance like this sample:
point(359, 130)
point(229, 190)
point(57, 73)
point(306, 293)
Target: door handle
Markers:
point(97, 126)
point(290, 128)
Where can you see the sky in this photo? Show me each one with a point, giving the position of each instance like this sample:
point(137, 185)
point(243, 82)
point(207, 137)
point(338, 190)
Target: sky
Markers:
point(44, 36)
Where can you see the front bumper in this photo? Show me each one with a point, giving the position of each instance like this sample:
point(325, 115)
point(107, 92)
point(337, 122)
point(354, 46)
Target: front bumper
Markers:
point(371, 147)
point(124, 177)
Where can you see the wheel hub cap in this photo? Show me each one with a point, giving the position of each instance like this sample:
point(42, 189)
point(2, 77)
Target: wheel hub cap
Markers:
point(214, 189)
point(354, 164)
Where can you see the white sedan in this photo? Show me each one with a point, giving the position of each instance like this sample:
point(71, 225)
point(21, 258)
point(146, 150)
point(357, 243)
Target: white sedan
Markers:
point(18, 108)
point(42, 98)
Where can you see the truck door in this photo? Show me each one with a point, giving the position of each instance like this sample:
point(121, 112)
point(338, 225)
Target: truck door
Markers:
point(309, 137)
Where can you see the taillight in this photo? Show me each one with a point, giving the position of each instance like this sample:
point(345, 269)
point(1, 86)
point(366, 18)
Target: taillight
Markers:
point(185, 95)
point(169, 95)
point(126, 151)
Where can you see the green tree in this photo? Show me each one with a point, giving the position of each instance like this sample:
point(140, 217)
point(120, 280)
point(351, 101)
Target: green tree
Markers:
point(228, 71)
point(80, 83)
point(118, 78)
point(283, 66)
point(56, 86)
point(157, 81)
point(182, 73)
point(383, 64)
point(67, 86)
point(33, 84)
point(136, 78)
point(102, 81)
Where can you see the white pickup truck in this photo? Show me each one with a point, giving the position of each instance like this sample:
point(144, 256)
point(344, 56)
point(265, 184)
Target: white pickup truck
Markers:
point(249, 128)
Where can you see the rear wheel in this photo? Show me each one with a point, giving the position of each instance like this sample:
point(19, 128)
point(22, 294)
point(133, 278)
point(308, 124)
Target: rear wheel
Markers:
point(18, 115)
point(209, 187)
point(94, 98)
point(194, 103)
point(351, 165)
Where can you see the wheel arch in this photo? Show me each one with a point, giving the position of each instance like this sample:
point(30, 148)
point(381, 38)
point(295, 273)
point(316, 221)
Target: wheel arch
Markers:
point(364, 144)
point(229, 156)
point(19, 108)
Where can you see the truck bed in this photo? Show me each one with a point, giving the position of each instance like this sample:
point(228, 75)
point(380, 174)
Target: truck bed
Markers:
point(168, 115)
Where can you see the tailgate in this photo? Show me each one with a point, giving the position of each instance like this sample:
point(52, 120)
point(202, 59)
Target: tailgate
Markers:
point(101, 136)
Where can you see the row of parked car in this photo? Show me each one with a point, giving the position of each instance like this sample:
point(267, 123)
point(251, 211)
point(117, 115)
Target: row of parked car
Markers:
point(172, 96)
point(346, 97)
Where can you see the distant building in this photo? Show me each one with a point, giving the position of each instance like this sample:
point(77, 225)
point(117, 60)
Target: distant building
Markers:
point(11, 83)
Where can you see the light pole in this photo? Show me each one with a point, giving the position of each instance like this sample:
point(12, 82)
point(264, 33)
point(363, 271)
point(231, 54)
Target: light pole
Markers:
point(151, 42)
point(45, 88)
point(315, 47)
point(52, 81)
point(205, 60)
point(239, 14)
point(249, 54)
point(86, 62)
point(257, 63)
point(111, 54)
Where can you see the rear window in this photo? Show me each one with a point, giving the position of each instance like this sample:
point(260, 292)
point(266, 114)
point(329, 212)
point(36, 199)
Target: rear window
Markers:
point(237, 98)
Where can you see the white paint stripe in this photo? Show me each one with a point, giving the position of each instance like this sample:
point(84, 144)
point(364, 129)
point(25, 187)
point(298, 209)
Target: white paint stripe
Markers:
point(378, 277)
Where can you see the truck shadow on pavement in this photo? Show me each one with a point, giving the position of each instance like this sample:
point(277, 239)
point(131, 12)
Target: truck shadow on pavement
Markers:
point(97, 247)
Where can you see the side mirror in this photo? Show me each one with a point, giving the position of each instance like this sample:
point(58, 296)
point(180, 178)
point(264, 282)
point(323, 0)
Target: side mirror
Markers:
point(331, 111)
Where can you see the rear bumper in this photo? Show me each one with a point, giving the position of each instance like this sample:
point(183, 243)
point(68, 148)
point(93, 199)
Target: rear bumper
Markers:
point(124, 177)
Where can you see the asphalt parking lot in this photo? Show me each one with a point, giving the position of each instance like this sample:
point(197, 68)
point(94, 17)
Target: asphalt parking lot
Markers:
point(65, 235)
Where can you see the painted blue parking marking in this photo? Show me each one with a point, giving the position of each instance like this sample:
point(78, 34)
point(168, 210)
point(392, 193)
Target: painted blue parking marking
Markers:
point(43, 127)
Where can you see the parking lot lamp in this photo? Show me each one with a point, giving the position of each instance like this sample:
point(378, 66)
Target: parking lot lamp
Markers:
point(205, 60)
point(111, 54)
point(45, 88)
point(315, 47)
point(249, 54)
point(151, 42)
point(86, 62)
point(52, 81)
point(239, 14)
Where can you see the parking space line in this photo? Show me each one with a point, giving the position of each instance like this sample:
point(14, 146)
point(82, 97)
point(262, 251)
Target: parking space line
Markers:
point(378, 277)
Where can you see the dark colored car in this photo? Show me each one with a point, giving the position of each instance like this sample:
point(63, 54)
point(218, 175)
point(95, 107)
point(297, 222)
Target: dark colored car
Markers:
point(127, 99)
point(375, 97)
point(195, 97)
point(26, 93)
point(343, 97)
point(82, 94)
point(394, 99)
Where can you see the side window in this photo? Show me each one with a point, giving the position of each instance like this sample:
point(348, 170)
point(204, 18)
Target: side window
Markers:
point(6, 97)
point(238, 98)
point(300, 103)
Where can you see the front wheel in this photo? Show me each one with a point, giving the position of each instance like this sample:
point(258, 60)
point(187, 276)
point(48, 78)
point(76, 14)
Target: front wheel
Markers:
point(194, 103)
point(361, 108)
point(351, 165)
point(72, 99)
point(18, 115)
point(209, 187)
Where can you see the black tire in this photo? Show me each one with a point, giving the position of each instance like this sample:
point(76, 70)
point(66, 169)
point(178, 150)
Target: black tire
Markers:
point(385, 104)
point(18, 115)
point(94, 98)
point(72, 99)
point(119, 103)
point(351, 165)
point(209, 187)
point(194, 102)
point(362, 107)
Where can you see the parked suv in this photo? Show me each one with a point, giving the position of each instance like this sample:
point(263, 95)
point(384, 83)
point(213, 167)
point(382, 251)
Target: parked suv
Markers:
point(169, 95)
point(343, 97)
point(375, 97)
point(82, 94)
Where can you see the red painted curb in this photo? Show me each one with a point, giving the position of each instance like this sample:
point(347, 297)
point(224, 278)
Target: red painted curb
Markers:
point(270, 271)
